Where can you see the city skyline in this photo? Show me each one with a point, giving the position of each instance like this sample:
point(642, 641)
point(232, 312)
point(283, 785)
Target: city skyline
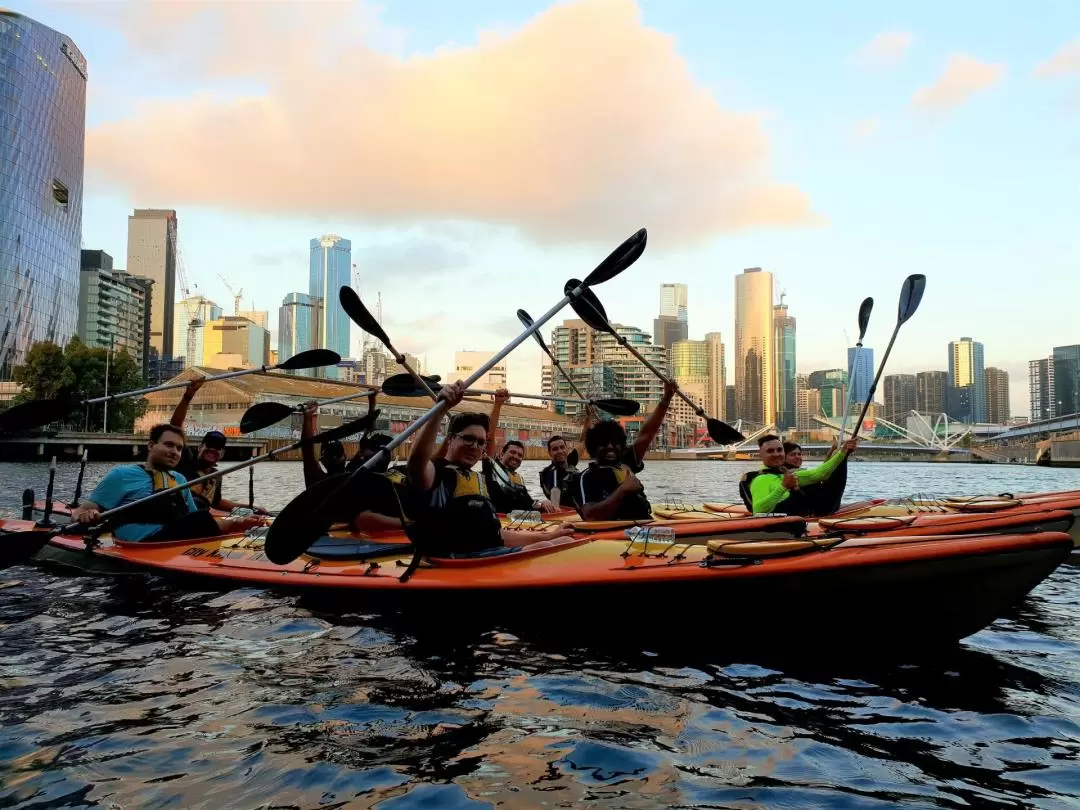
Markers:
point(894, 177)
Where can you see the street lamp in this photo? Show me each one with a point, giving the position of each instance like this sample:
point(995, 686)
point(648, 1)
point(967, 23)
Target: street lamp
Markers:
point(108, 357)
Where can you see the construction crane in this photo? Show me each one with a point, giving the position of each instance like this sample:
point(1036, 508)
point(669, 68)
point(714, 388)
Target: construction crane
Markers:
point(192, 310)
point(236, 294)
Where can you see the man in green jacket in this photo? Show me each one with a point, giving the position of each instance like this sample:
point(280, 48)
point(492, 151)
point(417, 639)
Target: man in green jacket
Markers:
point(776, 489)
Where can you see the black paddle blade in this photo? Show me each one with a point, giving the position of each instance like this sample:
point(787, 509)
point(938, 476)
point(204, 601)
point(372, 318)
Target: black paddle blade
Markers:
point(618, 407)
point(36, 413)
point(910, 296)
point(263, 415)
point(527, 321)
point(359, 314)
point(622, 257)
point(865, 309)
point(588, 307)
point(405, 385)
point(721, 432)
point(312, 358)
point(19, 547)
point(357, 426)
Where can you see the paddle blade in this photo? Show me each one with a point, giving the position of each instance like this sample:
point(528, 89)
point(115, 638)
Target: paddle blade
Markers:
point(312, 358)
point(341, 432)
point(622, 257)
point(405, 385)
point(721, 432)
point(618, 407)
point(588, 307)
point(36, 413)
point(910, 296)
point(864, 316)
point(359, 314)
point(19, 547)
point(527, 321)
point(263, 415)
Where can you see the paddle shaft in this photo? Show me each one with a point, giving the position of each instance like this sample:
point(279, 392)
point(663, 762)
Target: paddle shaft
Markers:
point(873, 386)
point(626, 345)
point(847, 405)
point(183, 384)
point(79, 480)
point(533, 396)
point(566, 376)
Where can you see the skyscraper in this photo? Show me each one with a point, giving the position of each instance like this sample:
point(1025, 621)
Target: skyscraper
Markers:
point(42, 118)
point(901, 396)
point(731, 404)
point(667, 329)
point(930, 387)
point(784, 339)
point(832, 385)
point(716, 394)
point(690, 368)
point(1041, 389)
point(298, 323)
point(966, 371)
point(755, 354)
point(674, 301)
point(331, 269)
point(862, 377)
point(151, 253)
point(997, 396)
point(1067, 379)
point(113, 308)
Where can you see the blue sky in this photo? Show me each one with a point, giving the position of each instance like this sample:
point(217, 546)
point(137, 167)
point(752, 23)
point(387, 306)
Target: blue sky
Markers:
point(859, 170)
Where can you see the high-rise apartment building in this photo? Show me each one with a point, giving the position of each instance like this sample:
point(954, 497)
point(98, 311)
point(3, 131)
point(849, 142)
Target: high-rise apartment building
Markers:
point(860, 372)
point(298, 323)
point(190, 316)
point(966, 370)
point(330, 270)
point(930, 388)
point(807, 403)
point(901, 397)
point(690, 369)
point(715, 394)
point(997, 396)
point(755, 353)
point(1042, 389)
point(151, 253)
point(42, 127)
point(832, 385)
point(1067, 379)
point(784, 341)
point(635, 381)
point(114, 308)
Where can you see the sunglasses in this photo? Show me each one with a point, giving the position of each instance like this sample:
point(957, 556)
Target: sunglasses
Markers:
point(472, 441)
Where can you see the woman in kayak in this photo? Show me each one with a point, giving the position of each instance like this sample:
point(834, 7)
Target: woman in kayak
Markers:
point(455, 514)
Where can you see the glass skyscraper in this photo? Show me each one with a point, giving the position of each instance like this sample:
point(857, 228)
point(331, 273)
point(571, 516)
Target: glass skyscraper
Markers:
point(331, 269)
point(1067, 379)
point(298, 320)
point(966, 372)
point(860, 378)
point(785, 367)
point(42, 121)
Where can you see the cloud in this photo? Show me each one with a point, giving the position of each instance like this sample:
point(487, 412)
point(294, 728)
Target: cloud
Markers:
point(1062, 63)
point(285, 257)
point(416, 257)
point(886, 49)
point(865, 129)
point(963, 77)
point(579, 126)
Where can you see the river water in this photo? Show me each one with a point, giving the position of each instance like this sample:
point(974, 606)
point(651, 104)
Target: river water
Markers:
point(139, 693)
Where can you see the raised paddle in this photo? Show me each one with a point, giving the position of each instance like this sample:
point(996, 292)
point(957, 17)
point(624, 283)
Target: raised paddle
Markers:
point(526, 320)
point(20, 546)
point(590, 310)
point(865, 309)
point(911, 294)
point(39, 412)
point(308, 516)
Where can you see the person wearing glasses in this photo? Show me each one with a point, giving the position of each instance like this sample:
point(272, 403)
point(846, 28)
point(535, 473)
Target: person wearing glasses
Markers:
point(455, 514)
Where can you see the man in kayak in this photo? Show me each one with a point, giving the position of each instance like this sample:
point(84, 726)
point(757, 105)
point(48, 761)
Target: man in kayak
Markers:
point(824, 498)
point(170, 517)
point(608, 489)
point(774, 488)
point(455, 512)
point(505, 485)
point(202, 460)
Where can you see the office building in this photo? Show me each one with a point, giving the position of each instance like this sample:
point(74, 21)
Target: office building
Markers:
point(232, 342)
point(930, 388)
point(1067, 379)
point(467, 362)
point(257, 317)
point(715, 395)
point(832, 386)
point(784, 341)
point(966, 371)
point(190, 316)
point(731, 404)
point(331, 269)
point(860, 376)
point(151, 253)
point(807, 403)
point(690, 369)
point(298, 322)
point(674, 301)
point(42, 120)
point(1042, 389)
point(755, 354)
point(997, 396)
point(901, 397)
point(114, 308)
point(667, 329)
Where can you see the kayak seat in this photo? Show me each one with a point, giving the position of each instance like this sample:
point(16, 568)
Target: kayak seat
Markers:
point(347, 549)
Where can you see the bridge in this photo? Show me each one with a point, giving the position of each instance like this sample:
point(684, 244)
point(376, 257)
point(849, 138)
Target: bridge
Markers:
point(1043, 429)
point(69, 446)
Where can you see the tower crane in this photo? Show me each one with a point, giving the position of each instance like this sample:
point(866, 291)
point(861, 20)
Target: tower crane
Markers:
point(236, 294)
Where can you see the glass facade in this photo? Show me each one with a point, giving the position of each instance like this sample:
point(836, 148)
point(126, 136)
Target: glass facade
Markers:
point(42, 128)
point(755, 353)
point(786, 401)
point(860, 377)
point(331, 269)
point(1067, 379)
point(297, 320)
point(966, 371)
point(113, 308)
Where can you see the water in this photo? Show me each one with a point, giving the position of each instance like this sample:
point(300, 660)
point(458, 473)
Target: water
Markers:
point(138, 693)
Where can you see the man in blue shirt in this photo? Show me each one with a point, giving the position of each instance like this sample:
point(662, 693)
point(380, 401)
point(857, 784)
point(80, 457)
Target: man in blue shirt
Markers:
point(170, 517)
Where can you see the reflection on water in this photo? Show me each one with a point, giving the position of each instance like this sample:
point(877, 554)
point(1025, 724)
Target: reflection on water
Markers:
point(140, 693)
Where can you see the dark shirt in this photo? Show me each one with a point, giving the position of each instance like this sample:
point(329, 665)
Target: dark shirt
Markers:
point(208, 494)
point(599, 481)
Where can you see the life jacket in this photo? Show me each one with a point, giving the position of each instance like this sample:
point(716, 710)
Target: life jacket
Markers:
point(507, 488)
point(563, 479)
point(634, 506)
point(796, 503)
point(456, 515)
point(159, 511)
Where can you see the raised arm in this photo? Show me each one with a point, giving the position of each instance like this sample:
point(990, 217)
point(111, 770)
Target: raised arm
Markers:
point(501, 395)
point(313, 471)
point(419, 468)
point(180, 413)
point(656, 419)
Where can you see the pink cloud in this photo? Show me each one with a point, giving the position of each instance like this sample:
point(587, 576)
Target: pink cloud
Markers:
point(583, 124)
point(885, 49)
point(1062, 63)
point(963, 77)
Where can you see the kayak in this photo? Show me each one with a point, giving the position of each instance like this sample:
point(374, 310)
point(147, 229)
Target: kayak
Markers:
point(894, 591)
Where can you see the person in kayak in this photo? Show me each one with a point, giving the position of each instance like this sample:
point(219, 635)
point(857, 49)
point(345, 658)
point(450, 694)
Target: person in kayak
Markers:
point(331, 460)
point(608, 488)
point(202, 460)
point(456, 515)
point(560, 476)
point(824, 498)
point(504, 483)
point(170, 517)
point(774, 488)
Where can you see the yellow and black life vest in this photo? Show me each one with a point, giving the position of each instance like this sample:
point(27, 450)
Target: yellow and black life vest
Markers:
point(508, 490)
point(160, 511)
point(456, 515)
point(601, 480)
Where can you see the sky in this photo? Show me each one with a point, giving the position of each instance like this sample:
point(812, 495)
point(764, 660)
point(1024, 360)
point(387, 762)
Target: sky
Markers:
point(479, 153)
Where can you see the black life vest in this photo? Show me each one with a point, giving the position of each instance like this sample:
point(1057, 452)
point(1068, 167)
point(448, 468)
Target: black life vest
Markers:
point(634, 506)
point(506, 488)
point(455, 515)
point(159, 511)
point(796, 503)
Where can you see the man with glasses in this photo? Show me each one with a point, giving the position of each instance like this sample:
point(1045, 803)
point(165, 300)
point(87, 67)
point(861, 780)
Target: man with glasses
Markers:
point(455, 513)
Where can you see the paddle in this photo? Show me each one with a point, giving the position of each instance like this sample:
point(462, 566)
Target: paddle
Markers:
point(618, 407)
point(359, 315)
point(865, 309)
point(79, 480)
point(590, 310)
point(39, 412)
point(911, 294)
point(307, 517)
point(526, 320)
point(19, 547)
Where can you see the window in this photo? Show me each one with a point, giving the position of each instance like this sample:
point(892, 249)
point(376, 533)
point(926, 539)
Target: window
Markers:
point(60, 192)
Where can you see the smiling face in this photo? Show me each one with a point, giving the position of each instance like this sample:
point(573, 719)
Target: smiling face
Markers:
point(794, 458)
point(467, 447)
point(772, 453)
point(209, 456)
point(512, 457)
point(558, 451)
point(164, 454)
